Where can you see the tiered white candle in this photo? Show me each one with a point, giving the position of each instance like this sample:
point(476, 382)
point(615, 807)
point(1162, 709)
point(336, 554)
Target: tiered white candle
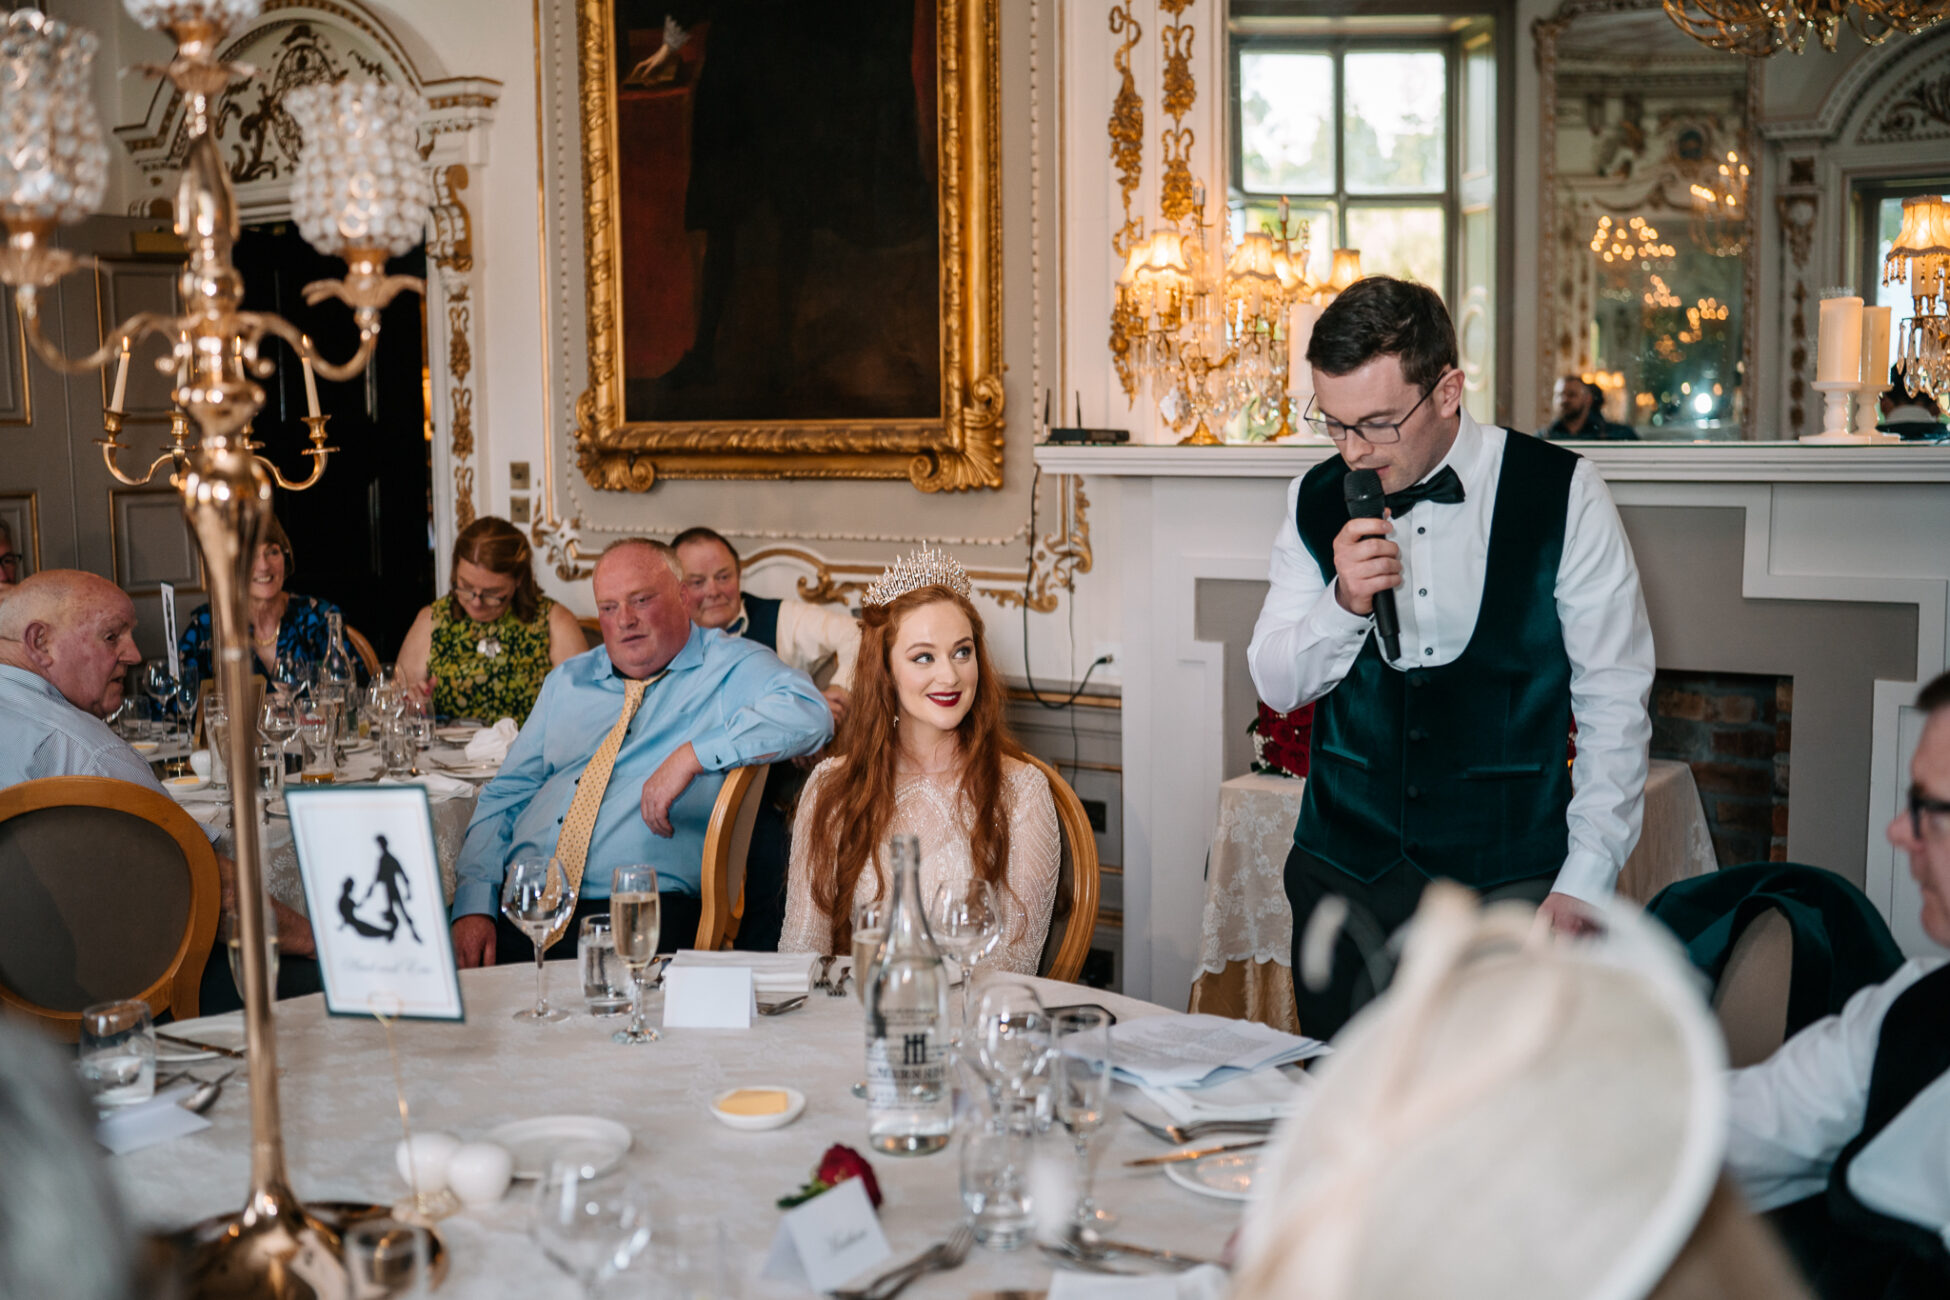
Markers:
point(311, 383)
point(121, 379)
point(1838, 358)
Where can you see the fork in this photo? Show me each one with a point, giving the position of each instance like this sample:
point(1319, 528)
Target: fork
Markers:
point(937, 1258)
point(837, 988)
point(825, 965)
point(780, 1008)
point(1183, 1133)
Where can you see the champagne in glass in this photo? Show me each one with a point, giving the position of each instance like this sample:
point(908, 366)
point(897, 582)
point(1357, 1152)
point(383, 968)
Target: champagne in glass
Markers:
point(234, 944)
point(633, 921)
point(536, 898)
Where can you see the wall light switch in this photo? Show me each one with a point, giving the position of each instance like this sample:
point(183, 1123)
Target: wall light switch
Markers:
point(518, 510)
point(518, 476)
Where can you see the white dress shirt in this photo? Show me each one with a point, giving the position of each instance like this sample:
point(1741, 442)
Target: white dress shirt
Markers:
point(1791, 1115)
point(1305, 642)
point(808, 633)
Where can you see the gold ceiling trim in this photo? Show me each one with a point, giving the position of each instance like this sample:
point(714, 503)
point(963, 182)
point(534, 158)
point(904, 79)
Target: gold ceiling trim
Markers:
point(960, 450)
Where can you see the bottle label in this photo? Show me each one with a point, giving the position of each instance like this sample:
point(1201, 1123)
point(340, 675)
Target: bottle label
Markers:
point(906, 1069)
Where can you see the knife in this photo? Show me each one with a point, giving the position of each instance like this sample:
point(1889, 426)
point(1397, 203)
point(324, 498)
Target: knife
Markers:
point(1195, 1153)
point(191, 1045)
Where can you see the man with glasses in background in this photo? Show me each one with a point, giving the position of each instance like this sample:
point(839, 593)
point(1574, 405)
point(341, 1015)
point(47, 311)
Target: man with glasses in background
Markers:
point(1519, 610)
point(1842, 1133)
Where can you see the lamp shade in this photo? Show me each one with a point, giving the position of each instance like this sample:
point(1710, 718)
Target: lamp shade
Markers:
point(360, 182)
point(53, 158)
point(1347, 269)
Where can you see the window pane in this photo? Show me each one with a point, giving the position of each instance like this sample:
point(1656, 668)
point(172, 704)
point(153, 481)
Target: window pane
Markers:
point(1406, 242)
point(1286, 122)
point(1395, 131)
point(1320, 231)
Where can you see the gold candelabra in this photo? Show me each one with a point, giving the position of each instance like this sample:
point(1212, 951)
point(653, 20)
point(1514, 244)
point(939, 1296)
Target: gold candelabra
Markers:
point(359, 192)
point(1758, 28)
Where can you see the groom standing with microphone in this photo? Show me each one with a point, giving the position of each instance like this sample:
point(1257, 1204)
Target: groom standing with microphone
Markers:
point(1452, 597)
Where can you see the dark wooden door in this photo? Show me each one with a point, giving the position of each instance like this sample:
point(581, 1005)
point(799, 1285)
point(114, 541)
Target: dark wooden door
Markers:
point(362, 536)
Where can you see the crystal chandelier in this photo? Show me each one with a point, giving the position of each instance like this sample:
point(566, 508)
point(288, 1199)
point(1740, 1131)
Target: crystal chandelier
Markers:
point(1720, 207)
point(360, 192)
point(1208, 323)
point(1921, 254)
point(1758, 28)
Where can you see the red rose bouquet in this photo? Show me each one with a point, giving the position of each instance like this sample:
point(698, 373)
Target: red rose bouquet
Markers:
point(835, 1167)
point(1280, 740)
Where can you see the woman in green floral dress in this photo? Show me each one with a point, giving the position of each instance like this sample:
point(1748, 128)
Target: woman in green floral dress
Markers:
point(482, 651)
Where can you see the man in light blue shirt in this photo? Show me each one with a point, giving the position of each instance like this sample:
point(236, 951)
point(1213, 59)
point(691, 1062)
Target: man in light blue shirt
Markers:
point(66, 638)
point(721, 702)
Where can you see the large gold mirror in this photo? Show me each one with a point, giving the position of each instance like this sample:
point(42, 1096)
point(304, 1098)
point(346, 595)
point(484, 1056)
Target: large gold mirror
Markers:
point(1649, 179)
point(792, 233)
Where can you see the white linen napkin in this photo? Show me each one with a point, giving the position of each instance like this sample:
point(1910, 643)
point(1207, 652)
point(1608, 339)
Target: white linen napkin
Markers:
point(490, 744)
point(438, 786)
point(785, 973)
point(160, 1119)
point(1206, 1282)
point(1263, 1094)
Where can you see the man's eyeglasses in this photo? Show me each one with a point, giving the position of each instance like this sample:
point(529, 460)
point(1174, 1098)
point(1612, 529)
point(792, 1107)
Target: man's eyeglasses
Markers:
point(485, 599)
point(1929, 818)
point(10, 561)
point(1376, 433)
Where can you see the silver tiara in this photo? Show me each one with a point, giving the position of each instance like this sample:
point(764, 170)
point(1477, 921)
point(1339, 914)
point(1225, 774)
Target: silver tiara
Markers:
point(925, 568)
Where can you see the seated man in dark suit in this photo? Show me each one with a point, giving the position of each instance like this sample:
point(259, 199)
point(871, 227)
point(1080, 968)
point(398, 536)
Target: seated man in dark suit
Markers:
point(1581, 414)
point(1844, 1131)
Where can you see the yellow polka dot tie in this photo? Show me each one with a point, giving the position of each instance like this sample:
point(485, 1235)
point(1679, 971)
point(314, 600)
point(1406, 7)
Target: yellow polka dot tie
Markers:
point(579, 824)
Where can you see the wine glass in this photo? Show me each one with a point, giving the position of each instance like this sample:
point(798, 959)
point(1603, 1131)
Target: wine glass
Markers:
point(216, 733)
point(159, 687)
point(291, 677)
point(277, 724)
point(965, 918)
point(188, 679)
point(315, 726)
point(590, 1231)
point(633, 922)
point(536, 898)
point(1080, 1039)
point(1011, 1047)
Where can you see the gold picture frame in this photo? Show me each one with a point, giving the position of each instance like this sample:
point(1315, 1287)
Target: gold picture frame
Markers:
point(956, 449)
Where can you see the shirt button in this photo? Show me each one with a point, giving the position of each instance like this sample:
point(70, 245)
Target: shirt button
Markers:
point(1421, 530)
point(1423, 592)
point(1428, 649)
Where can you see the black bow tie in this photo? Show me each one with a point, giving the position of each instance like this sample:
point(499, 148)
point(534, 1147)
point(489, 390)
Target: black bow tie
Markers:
point(1445, 487)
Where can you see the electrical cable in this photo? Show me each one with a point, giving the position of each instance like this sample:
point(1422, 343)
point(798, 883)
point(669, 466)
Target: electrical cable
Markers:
point(1029, 573)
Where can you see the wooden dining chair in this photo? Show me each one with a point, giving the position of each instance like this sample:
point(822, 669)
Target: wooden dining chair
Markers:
point(727, 845)
point(592, 631)
point(1074, 917)
point(111, 892)
point(363, 648)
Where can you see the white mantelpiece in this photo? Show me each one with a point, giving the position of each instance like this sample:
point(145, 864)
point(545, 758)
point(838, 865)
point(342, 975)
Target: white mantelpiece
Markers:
point(1851, 524)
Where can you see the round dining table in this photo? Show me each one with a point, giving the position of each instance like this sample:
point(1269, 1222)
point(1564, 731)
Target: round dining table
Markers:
point(341, 1124)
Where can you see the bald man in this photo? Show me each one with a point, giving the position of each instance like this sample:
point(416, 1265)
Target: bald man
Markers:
point(66, 638)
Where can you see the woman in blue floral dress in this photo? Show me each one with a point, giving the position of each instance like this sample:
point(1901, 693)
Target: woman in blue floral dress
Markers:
point(283, 625)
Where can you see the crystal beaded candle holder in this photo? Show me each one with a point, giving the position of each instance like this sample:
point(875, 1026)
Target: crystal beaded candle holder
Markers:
point(53, 157)
point(224, 15)
point(360, 183)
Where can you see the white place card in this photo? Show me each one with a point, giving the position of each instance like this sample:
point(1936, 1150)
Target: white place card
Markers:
point(160, 1119)
point(708, 997)
point(828, 1240)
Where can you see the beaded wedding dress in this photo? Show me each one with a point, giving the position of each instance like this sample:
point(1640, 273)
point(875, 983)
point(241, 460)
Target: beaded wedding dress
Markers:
point(925, 807)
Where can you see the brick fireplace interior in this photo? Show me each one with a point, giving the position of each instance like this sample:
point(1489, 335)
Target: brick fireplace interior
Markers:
point(1734, 731)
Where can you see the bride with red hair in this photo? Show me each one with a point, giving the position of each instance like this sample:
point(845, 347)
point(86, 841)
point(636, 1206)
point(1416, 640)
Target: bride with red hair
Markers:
point(923, 751)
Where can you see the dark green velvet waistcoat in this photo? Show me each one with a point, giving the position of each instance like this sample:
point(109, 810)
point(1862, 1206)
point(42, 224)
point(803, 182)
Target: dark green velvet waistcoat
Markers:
point(1459, 770)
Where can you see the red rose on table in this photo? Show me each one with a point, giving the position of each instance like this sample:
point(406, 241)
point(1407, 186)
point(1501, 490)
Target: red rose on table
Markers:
point(835, 1167)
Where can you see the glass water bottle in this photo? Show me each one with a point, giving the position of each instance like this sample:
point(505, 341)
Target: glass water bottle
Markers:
point(910, 1107)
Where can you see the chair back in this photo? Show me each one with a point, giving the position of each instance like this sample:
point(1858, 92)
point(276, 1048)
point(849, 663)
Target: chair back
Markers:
point(1751, 999)
point(111, 892)
point(363, 648)
point(592, 631)
point(727, 845)
point(1074, 917)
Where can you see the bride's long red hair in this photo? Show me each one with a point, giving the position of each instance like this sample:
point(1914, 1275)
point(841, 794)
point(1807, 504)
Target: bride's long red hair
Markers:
point(856, 797)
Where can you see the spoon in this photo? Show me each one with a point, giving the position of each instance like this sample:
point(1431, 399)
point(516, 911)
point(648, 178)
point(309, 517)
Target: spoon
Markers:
point(206, 1096)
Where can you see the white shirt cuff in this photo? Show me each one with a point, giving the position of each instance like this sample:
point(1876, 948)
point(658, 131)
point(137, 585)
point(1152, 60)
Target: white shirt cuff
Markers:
point(1332, 619)
point(1588, 877)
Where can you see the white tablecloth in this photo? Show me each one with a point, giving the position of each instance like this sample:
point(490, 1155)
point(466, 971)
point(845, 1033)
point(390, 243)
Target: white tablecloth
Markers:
point(341, 1125)
point(451, 813)
point(1246, 916)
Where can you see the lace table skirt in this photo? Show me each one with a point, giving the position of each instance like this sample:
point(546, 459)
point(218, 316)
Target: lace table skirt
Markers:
point(1246, 937)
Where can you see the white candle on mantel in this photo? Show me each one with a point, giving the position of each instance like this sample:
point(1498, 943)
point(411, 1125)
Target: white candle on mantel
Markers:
point(311, 384)
point(1875, 346)
point(121, 379)
point(1838, 358)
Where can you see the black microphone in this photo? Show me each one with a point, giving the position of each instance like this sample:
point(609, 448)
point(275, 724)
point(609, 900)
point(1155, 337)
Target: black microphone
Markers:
point(1366, 500)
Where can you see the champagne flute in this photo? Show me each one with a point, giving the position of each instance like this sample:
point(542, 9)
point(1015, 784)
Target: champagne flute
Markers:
point(633, 922)
point(536, 898)
point(965, 917)
point(590, 1231)
point(1081, 1042)
point(187, 682)
point(216, 734)
point(869, 930)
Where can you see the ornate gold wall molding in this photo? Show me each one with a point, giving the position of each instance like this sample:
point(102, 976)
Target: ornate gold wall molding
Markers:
point(1126, 129)
point(1180, 94)
point(1057, 558)
point(450, 247)
point(960, 449)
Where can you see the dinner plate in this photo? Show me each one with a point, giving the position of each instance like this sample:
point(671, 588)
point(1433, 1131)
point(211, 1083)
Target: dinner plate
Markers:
point(144, 747)
point(227, 1032)
point(471, 771)
point(533, 1143)
point(456, 735)
point(795, 1101)
point(357, 746)
point(1227, 1175)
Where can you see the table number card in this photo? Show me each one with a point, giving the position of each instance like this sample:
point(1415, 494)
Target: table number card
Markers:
point(828, 1240)
point(379, 914)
